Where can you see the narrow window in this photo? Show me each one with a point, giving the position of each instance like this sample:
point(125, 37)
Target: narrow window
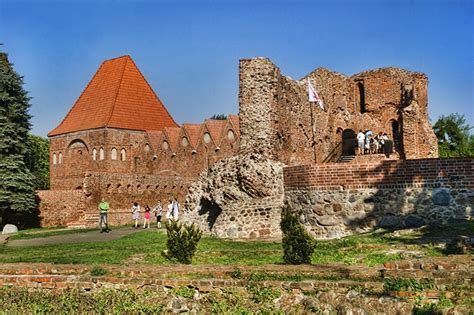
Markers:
point(54, 159)
point(113, 154)
point(123, 154)
point(60, 160)
point(101, 154)
point(94, 154)
point(360, 85)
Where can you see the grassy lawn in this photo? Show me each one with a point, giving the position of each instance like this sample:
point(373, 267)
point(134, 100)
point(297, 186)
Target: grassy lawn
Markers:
point(146, 247)
point(45, 232)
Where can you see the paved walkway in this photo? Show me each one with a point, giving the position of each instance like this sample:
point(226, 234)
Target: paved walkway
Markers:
point(86, 237)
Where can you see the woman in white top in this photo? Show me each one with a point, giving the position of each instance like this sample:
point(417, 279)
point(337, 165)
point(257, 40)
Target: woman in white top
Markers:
point(136, 213)
point(175, 210)
point(170, 210)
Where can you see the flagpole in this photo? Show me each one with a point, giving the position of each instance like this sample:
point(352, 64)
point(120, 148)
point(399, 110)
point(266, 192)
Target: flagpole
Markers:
point(312, 128)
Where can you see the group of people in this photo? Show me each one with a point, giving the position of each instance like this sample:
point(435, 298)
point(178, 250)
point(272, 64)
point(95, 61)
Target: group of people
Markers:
point(367, 143)
point(172, 213)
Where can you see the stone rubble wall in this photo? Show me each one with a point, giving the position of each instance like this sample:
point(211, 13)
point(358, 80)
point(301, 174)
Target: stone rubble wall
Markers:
point(339, 200)
point(239, 197)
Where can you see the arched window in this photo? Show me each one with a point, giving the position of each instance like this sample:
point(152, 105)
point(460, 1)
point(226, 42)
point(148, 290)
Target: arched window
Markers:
point(147, 148)
point(184, 142)
point(230, 135)
point(113, 154)
point(101, 154)
point(94, 154)
point(60, 159)
point(207, 137)
point(123, 154)
point(165, 145)
point(54, 159)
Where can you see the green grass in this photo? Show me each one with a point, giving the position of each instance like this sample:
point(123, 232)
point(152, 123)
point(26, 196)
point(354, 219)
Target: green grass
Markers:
point(146, 246)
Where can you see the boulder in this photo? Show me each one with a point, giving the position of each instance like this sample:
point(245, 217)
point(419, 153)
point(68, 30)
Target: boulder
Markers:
point(389, 222)
point(9, 229)
point(328, 220)
point(441, 197)
point(414, 221)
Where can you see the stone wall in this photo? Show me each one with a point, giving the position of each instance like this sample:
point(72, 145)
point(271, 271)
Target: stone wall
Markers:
point(239, 197)
point(335, 200)
point(60, 207)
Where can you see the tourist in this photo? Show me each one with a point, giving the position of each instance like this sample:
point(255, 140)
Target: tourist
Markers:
point(170, 210)
point(175, 208)
point(136, 213)
point(360, 142)
point(381, 142)
point(377, 144)
point(146, 220)
point(158, 210)
point(104, 209)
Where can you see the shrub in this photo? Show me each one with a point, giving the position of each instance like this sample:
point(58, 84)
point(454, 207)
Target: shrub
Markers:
point(298, 245)
point(182, 241)
point(97, 271)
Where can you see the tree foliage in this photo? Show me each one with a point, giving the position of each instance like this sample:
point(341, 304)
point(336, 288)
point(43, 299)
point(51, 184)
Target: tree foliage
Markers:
point(454, 138)
point(16, 182)
point(182, 241)
point(298, 245)
point(37, 161)
point(218, 117)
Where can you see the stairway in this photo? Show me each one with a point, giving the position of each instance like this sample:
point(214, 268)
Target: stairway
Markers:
point(345, 158)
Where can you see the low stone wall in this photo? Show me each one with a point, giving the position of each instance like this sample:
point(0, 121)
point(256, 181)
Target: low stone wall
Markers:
point(335, 200)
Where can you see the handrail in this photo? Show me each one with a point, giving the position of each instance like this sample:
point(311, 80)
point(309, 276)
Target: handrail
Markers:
point(335, 153)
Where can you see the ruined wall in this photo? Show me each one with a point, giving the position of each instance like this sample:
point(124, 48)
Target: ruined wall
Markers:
point(277, 115)
point(239, 197)
point(60, 207)
point(335, 200)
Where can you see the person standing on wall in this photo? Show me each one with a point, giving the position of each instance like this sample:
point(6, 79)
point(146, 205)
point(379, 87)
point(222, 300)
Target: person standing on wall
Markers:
point(360, 142)
point(104, 209)
point(136, 213)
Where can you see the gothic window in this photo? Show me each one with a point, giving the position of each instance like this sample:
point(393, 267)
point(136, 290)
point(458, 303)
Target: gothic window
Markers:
point(94, 154)
point(230, 135)
point(101, 154)
point(123, 154)
point(54, 159)
point(60, 158)
point(184, 142)
point(113, 154)
point(147, 148)
point(165, 145)
point(207, 137)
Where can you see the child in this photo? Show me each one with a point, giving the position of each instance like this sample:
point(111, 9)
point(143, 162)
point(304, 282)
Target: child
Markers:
point(158, 210)
point(136, 213)
point(147, 216)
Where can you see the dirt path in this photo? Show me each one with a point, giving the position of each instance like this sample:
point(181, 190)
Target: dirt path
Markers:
point(87, 237)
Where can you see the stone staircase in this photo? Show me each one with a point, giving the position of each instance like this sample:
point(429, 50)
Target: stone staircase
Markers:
point(345, 159)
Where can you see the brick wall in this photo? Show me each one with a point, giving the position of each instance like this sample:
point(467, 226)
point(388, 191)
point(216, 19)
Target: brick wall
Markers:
point(60, 207)
point(459, 171)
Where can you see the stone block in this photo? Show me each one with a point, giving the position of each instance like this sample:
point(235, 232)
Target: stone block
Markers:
point(9, 229)
point(441, 196)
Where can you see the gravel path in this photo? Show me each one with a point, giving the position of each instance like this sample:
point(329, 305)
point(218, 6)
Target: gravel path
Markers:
point(87, 237)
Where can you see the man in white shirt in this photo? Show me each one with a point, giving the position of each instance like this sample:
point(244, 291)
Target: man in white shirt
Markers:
point(360, 142)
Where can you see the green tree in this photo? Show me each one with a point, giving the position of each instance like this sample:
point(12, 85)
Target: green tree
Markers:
point(17, 196)
point(218, 117)
point(37, 161)
point(454, 138)
point(298, 245)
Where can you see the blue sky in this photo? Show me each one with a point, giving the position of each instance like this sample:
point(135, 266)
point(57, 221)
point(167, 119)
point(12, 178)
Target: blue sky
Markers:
point(189, 50)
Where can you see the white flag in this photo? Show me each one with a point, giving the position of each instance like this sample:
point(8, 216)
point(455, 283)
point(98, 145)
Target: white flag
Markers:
point(313, 95)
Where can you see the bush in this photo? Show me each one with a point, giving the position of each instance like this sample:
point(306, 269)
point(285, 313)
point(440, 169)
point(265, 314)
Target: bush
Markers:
point(298, 245)
point(182, 241)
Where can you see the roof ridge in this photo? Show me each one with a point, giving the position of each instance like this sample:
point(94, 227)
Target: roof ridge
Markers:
point(153, 91)
point(77, 100)
point(118, 89)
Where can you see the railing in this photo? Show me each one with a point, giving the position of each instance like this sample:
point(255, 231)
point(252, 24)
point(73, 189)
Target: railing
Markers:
point(335, 153)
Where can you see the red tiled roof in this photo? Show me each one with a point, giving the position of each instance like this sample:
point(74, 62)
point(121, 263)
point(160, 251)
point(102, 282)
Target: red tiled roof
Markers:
point(172, 134)
point(234, 119)
point(193, 131)
point(118, 96)
point(215, 127)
